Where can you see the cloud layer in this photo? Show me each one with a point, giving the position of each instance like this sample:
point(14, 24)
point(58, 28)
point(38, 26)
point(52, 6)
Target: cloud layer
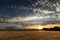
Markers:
point(29, 10)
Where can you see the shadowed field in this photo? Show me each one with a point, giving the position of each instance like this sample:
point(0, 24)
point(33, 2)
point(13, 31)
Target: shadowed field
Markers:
point(29, 35)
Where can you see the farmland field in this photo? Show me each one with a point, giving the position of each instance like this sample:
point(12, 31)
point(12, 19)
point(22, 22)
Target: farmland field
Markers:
point(29, 35)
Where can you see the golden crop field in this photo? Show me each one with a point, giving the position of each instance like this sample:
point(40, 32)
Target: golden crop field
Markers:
point(29, 35)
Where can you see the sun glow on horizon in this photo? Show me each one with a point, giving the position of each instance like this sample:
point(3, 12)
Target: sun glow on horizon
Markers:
point(35, 27)
point(40, 27)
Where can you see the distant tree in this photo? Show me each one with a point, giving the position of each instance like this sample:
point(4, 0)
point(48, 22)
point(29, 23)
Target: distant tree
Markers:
point(45, 28)
point(56, 27)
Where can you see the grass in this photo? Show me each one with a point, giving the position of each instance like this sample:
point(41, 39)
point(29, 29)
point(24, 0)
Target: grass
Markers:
point(29, 35)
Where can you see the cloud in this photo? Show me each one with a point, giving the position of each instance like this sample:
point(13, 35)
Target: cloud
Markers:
point(28, 18)
point(47, 12)
point(31, 10)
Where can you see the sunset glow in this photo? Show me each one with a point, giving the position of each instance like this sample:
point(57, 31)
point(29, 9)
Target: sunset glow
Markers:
point(40, 27)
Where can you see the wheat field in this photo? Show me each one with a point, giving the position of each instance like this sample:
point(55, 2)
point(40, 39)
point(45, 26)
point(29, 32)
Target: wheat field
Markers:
point(29, 35)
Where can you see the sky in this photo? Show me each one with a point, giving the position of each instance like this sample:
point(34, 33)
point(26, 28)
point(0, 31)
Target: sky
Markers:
point(29, 10)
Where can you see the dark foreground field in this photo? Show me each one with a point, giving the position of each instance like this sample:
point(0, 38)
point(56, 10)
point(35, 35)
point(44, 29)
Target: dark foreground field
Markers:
point(29, 35)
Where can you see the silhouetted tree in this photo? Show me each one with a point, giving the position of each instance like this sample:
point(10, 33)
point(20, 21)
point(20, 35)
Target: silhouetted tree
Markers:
point(56, 28)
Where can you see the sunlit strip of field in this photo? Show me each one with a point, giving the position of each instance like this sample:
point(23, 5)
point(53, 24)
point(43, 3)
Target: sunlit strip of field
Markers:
point(29, 35)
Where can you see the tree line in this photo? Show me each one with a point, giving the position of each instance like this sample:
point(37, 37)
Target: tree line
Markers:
point(56, 28)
